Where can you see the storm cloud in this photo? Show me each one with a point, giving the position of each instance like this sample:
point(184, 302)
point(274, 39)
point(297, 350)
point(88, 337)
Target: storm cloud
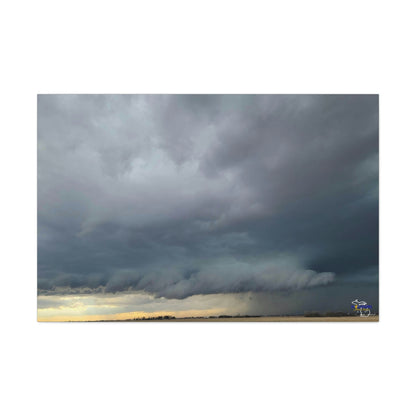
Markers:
point(183, 195)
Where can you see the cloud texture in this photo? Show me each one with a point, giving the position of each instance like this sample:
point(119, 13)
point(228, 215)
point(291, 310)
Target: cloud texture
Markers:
point(186, 195)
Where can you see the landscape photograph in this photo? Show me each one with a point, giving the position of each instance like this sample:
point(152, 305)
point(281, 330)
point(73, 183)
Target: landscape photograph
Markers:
point(207, 208)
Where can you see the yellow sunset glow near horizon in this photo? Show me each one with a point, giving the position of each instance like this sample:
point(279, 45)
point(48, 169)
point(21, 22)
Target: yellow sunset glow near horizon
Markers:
point(127, 306)
point(130, 315)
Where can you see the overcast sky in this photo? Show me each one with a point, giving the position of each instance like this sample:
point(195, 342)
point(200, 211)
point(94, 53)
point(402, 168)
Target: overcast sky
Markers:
point(211, 203)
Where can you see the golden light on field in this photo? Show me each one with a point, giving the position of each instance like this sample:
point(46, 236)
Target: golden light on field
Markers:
point(129, 315)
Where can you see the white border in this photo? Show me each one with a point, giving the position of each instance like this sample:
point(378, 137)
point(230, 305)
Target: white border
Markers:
point(207, 47)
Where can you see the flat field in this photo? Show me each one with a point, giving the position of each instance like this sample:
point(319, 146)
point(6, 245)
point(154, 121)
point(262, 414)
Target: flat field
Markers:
point(274, 319)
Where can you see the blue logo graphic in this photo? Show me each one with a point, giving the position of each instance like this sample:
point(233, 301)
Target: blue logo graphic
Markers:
point(361, 307)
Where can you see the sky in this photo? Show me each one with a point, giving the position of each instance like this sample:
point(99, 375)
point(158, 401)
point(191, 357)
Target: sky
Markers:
point(202, 205)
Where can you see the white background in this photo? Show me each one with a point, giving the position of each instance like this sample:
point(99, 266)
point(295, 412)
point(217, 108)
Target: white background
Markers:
point(205, 47)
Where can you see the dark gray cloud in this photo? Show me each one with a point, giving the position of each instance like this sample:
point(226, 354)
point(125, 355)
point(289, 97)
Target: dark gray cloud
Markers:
point(185, 195)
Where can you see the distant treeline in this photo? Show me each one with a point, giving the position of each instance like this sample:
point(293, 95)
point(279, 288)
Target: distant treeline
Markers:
point(306, 315)
point(166, 317)
point(154, 318)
